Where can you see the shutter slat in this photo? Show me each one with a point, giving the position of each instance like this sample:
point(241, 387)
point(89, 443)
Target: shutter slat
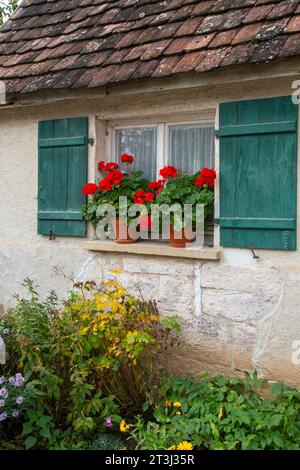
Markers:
point(63, 142)
point(254, 129)
point(59, 215)
point(280, 224)
point(258, 168)
point(63, 152)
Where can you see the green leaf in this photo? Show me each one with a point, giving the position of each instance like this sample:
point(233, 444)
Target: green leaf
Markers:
point(30, 442)
point(27, 428)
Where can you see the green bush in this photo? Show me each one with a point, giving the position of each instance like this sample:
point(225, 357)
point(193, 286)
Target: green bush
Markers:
point(222, 414)
point(85, 361)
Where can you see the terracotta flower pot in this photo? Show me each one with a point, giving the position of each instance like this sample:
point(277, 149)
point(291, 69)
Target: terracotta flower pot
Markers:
point(178, 238)
point(120, 227)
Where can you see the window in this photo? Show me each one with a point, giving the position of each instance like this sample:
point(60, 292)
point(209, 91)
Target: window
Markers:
point(187, 146)
point(142, 143)
point(191, 147)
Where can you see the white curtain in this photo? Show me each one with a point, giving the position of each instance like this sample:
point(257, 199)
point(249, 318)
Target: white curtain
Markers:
point(191, 147)
point(142, 144)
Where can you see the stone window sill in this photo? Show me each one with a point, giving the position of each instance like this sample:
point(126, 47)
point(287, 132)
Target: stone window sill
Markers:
point(155, 249)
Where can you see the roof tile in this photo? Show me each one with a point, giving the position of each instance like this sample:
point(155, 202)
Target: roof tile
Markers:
point(199, 42)
point(239, 54)
point(212, 59)
point(90, 43)
point(145, 69)
point(269, 50)
point(247, 33)
point(258, 13)
point(189, 26)
point(189, 62)
point(293, 25)
point(165, 67)
point(291, 47)
point(224, 39)
point(283, 8)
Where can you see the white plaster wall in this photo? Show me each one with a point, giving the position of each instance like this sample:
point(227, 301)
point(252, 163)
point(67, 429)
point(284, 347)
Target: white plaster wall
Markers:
point(238, 313)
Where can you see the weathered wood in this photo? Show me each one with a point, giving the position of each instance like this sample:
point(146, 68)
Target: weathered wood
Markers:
point(258, 173)
point(63, 154)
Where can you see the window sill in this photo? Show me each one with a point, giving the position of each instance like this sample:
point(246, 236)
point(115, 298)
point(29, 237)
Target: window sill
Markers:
point(155, 249)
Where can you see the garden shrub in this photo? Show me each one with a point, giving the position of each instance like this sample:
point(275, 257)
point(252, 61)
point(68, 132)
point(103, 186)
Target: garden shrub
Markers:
point(86, 361)
point(74, 370)
point(222, 414)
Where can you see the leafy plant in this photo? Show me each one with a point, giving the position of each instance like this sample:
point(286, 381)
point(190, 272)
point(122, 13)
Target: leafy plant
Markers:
point(123, 336)
point(85, 361)
point(114, 185)
point(183, 190)
point(39, 429)
point(222, 414)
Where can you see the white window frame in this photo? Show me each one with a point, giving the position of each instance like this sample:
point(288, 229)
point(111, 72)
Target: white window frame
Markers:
point(162, 124)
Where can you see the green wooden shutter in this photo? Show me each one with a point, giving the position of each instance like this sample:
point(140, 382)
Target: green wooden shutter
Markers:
point(63, 154)
point(258, 173)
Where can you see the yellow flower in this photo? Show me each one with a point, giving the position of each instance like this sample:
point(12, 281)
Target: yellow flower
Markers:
point(116, 271)
point(177, 404)
point(168, 403)
point(172, 448)
point(178, 413)
point(185, 446)
point(84, 331)
point(124, 426)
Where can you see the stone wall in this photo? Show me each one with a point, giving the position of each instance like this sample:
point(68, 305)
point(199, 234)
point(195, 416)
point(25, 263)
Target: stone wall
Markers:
point(238, 313)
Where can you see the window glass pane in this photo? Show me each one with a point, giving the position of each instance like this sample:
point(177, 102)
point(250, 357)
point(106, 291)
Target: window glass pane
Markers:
point(141, 143)
point(191, 147)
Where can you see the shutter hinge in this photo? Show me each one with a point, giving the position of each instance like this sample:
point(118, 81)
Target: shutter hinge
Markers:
point(255, 256)
point(91, 141)
point(52, 235)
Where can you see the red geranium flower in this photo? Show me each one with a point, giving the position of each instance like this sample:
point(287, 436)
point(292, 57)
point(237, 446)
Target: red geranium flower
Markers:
point(207, 177)
point(112, 179)
point(149, 197)
point(89, 189)
point(105, 185)
point(127, 159)
point(169, 171)
point(138, 200)
point(140, 193)
point(156, 184)
point(115, 177)
point(111, 167)
point(200, 181)
point(139, 197)
point(101, 166)
point(145, 222)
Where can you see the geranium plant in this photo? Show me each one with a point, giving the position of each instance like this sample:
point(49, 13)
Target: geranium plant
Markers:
point(197, 189)
point(116, 183)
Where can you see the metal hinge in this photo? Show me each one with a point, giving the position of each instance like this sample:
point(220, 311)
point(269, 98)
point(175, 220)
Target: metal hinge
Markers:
point(91, 141)
point(52, 235)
